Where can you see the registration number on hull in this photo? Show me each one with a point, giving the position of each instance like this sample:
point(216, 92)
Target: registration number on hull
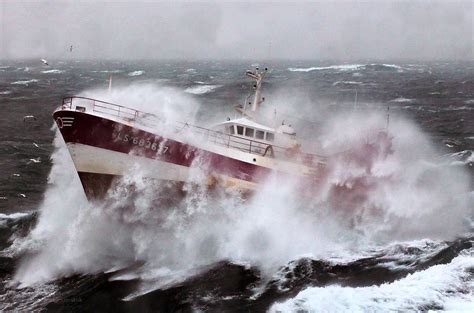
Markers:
point(142, 142)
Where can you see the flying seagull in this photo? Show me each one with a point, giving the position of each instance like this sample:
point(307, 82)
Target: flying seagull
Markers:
point(37, 160)
point(44, 62)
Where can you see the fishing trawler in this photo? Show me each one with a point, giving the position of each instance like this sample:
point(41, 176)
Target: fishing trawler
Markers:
point(106, 141)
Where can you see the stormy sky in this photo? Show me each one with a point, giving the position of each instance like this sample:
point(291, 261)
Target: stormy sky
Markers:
point(348, 30)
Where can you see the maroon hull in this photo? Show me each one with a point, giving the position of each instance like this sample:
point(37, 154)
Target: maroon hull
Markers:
point(81, 128)
point(111, 135)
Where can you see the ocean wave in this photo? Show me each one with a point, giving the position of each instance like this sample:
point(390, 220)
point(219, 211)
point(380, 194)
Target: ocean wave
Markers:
point(392, 66)
point(470, 101)
point(201, 89)
point(6, 92)
point(54, 71)
point(25, 82)
point(462, 157)
point(136, 73)
point(431, 288)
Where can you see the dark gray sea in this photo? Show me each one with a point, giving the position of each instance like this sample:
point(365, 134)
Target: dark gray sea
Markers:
point(274, 252)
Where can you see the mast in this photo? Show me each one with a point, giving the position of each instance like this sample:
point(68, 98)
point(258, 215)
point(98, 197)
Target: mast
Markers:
point(258, 75)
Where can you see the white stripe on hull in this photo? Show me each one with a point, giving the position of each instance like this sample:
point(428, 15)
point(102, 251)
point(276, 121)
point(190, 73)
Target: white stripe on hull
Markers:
point(102, 161)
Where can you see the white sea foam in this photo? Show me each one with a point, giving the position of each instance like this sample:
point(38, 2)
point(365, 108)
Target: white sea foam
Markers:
point(446, 286)
point(201, 89)
point(6, 92)
point(136, 73)
point(53, 71)
point(25, 82)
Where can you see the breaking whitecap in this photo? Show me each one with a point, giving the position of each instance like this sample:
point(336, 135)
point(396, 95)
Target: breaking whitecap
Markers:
point(136, 73)
point(54, 71)
point(25, 82)
point(402, 100)
point(343, 67)
point(201, 89)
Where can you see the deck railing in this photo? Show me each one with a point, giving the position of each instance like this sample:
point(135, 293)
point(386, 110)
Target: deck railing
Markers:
point(217, 137)
point(100, 107)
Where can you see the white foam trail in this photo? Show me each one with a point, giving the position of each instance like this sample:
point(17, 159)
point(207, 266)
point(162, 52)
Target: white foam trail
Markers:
point(446, 286)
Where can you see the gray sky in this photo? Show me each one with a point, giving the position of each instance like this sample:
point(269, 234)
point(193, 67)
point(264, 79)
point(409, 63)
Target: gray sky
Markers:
point(347, 30)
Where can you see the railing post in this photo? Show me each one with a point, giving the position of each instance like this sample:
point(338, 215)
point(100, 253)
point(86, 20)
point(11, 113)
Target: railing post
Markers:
point(250, 147)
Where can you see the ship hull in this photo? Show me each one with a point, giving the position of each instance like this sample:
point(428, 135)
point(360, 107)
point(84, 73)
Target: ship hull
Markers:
point(104, 150)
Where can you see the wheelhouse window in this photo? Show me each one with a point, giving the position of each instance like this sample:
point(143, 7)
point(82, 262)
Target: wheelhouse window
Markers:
point(231, 129)
point(260, 134)
point(249, 132)
point(270, 137)
point(240, 130)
